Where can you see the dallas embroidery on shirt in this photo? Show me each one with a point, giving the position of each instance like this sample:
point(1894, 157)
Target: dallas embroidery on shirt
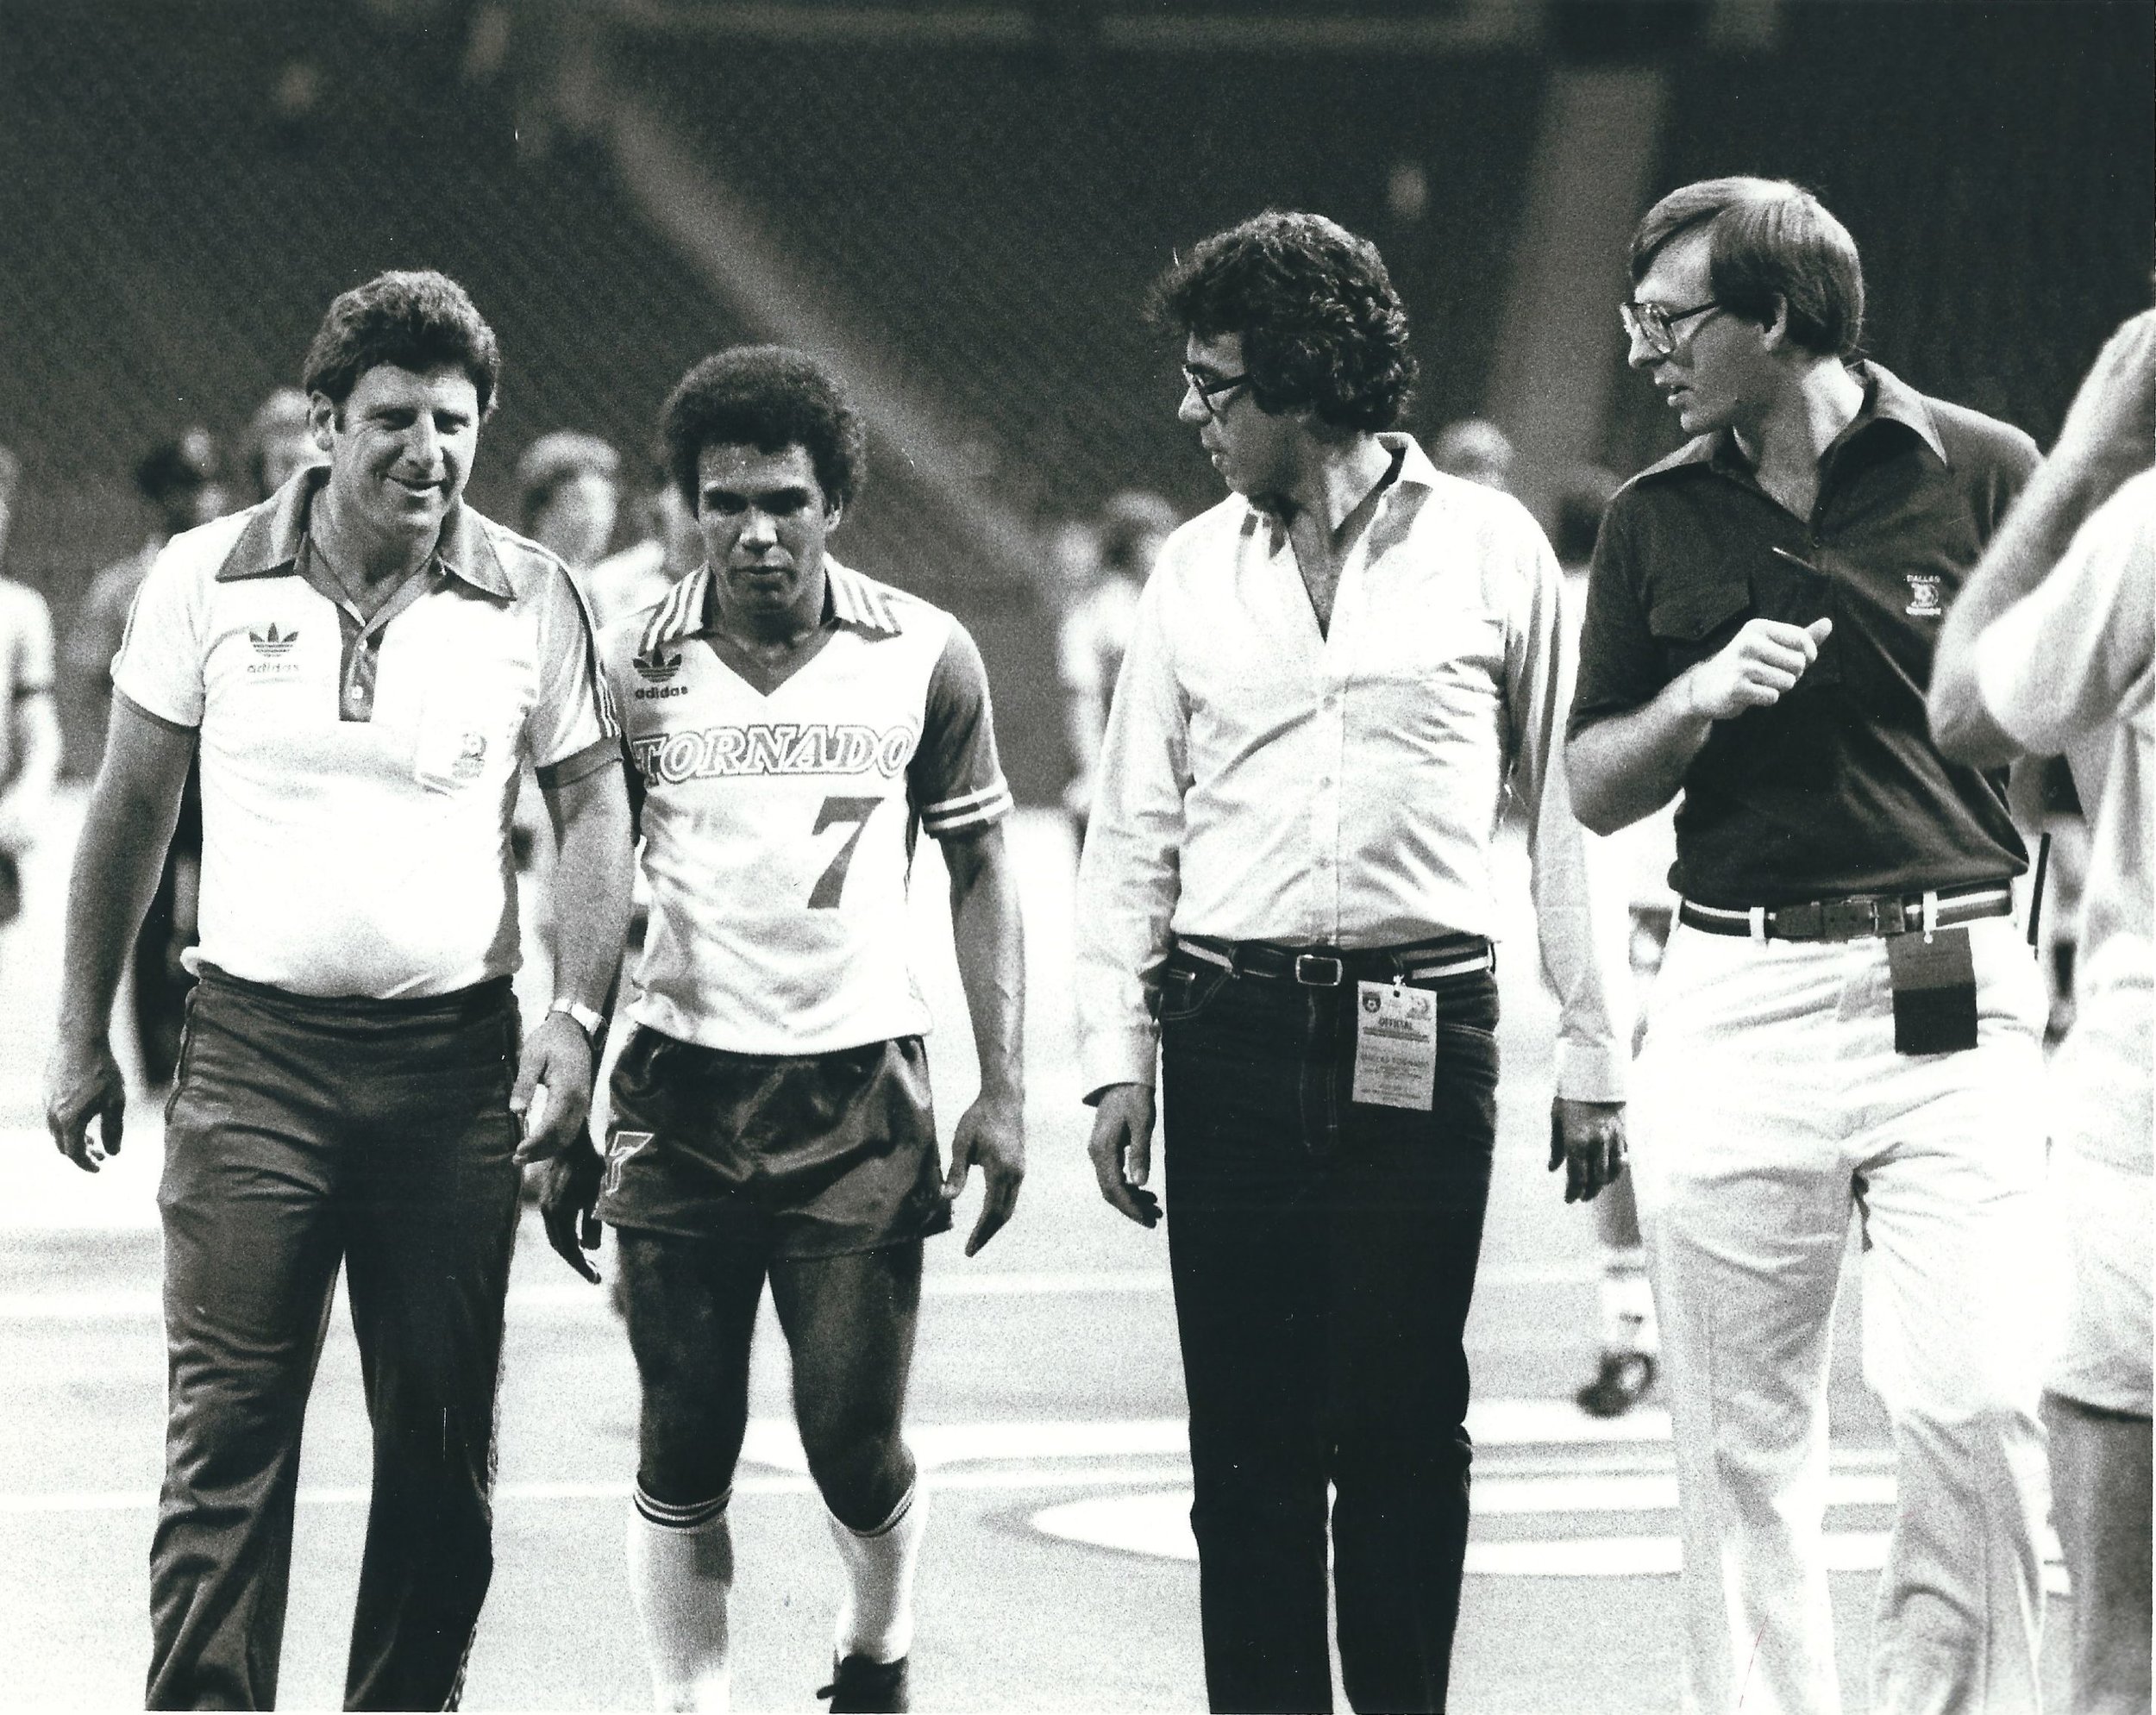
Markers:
point(1924, 603)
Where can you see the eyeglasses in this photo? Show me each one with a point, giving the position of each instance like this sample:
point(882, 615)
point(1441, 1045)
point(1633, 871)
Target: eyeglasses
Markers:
point(1655, 327)
point(1211, 388)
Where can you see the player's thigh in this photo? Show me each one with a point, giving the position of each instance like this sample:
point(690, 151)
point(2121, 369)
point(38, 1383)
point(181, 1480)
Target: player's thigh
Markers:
point(691, 1305)
point(850, 1322)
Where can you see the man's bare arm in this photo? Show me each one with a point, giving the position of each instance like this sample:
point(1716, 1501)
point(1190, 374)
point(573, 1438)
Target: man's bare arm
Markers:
point(991, 947)
point(590, 816)
point(132, 809)
point(1630, 765)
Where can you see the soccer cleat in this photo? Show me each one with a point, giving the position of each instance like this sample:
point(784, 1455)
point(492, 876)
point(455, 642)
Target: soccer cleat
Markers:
point(865, 1687)
point(1618, 1386)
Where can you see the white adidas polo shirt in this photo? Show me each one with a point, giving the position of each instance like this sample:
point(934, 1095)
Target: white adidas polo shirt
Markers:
point(779, 830)
point(357, 776)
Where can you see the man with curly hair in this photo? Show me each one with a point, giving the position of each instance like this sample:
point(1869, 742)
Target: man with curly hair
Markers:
point(792, 726)
point(1339, 677)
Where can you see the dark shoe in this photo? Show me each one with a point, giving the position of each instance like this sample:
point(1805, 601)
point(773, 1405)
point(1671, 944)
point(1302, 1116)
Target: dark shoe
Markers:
point(865, 1687)
point(1618, 1386)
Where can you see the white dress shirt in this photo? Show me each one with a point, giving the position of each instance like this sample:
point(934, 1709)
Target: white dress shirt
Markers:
point(1264, 781)
point(2071, 668)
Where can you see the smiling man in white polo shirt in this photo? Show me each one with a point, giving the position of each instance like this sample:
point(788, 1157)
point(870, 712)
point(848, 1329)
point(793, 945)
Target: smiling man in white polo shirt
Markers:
point(360, 660)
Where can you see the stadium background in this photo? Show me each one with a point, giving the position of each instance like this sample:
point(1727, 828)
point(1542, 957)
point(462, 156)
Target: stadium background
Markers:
point(961, 205)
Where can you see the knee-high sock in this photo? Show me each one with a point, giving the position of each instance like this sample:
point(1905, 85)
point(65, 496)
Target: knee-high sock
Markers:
point(876, 1618)
point(681, 1568)
point(1628, 1319)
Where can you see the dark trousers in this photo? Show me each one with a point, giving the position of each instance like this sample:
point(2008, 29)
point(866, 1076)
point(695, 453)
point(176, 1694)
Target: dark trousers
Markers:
point(1323, 1256)
point(301, 1133)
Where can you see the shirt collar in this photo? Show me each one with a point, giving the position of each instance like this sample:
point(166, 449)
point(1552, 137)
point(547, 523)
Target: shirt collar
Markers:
point(1887, 398)
point(690, 608)
point(1411, 469)
point(269, 546)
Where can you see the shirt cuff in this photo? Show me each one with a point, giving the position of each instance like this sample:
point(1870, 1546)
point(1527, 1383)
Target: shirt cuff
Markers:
point(1590, 1071)
point(1120, 1058)
point(170, 722)
point(577, 763)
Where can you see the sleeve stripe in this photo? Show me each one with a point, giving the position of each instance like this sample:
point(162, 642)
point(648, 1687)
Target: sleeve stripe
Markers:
point(993, 811)
point(602, 692)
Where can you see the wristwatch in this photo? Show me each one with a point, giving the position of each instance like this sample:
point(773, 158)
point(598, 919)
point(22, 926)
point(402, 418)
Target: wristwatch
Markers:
point(592, 1023)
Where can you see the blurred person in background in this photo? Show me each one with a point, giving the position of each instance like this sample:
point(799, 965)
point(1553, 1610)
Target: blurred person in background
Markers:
point(568, 494)
point(1475, 448)
point(29, 729)
point(280, 442)
point(669, 548)
point(1338, 677)
point(2051, 648)
point(1096, 629)
point(1846, 1025)
point(1634, 865)
point(359, 663)
point(182, 480)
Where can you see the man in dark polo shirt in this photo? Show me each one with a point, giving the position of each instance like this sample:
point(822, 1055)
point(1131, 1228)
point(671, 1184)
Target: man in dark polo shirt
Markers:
point(1845, 1019)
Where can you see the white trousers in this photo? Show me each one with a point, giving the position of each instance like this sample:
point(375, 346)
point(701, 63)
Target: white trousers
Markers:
point(1769, 1103)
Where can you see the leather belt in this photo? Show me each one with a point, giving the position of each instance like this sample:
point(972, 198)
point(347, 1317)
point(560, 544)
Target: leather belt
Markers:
point(1452, 955)
point(1856, 917)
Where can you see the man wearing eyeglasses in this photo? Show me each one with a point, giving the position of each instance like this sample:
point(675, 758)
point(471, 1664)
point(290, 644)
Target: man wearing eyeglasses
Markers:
point(1845, 1021)
point(1339, 679)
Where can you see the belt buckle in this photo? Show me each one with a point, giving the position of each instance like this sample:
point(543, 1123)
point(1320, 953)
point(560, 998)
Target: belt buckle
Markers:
point(1848, 919)
point(1306, 966)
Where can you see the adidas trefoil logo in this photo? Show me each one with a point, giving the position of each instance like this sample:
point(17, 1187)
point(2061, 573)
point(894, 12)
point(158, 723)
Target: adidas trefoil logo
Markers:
point(657, 665)
point(272, 642)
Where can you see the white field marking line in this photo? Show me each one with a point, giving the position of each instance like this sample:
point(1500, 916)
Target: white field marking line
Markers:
point(1022, 1478)
point(1158, 1525)
point(1492, 1423)
point(1494, 1496)
point(122, 1303)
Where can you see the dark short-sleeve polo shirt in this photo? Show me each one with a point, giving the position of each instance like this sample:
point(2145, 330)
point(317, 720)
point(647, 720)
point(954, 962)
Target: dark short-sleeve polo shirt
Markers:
point(1837, 788)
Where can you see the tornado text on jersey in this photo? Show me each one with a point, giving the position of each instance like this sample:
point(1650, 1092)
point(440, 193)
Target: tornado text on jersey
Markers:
point(772, 748)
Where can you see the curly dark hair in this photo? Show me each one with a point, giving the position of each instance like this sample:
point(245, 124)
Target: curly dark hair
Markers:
point(770, 397)
point(1322, 327)
point(418, 320)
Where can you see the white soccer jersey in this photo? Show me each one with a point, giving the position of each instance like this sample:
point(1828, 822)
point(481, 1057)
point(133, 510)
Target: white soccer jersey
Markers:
point(779, 830)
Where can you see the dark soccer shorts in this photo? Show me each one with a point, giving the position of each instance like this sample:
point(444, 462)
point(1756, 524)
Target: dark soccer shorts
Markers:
point(792, 1156)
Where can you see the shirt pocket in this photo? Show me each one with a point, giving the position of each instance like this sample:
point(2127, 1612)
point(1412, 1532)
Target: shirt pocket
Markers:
point(1695, 622)
point(467, 735)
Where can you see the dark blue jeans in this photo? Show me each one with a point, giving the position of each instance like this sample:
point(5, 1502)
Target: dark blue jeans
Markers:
point(1323, 1256)
point(302, 1134)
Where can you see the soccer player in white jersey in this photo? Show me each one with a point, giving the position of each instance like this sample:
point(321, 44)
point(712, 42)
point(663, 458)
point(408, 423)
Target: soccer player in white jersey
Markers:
point(791, 725)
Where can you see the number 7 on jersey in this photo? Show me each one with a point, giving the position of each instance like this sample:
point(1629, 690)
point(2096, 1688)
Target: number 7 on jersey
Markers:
point(851, 813)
